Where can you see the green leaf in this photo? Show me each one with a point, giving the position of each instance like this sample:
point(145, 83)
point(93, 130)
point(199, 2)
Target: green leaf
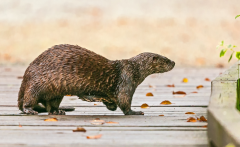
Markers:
point(234, 46)
point(238, 55)
point(222, 43)
point(230, 57)
point(229, 45)
point(222, 53)
point(237, 16)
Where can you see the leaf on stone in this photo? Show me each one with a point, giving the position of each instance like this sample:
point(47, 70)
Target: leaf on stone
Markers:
point(194, 92)
point(205, 126)
point(179, 92)
point(51, 119)
point(112, 122)
point(207, 79)
point(166, 102)
point(79, 129)
point(191, 119)
point(97, 121)
point(199, 86)
point(170, 85)
point(144, 106)
point(161, 115)
point(150, 86)
point(202, 118)
point(68, 95)
point(149, 94)
point(94, 136)
point(238, 55)
point(20, 77)
point(185, 80)
point(189, 113)
point(19, 125)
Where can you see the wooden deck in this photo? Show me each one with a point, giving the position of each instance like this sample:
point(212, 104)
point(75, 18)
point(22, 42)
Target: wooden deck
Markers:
point(172, 129)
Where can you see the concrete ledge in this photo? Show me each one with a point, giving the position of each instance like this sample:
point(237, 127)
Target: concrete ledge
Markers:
point(223, 117)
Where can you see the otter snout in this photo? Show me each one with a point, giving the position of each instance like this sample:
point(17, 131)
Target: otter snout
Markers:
point(172, 64)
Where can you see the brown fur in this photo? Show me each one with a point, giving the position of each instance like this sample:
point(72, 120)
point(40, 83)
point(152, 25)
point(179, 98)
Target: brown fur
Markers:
point(69, 69)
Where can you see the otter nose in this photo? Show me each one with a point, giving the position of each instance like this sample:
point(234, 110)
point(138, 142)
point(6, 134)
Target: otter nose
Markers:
point(173, 63)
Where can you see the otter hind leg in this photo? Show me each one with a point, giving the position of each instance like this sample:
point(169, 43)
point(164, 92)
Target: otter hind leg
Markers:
point(110, 106)
point(52, 106)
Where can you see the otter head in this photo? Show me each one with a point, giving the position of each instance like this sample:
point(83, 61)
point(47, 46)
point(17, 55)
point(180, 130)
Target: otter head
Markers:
point(160, 64)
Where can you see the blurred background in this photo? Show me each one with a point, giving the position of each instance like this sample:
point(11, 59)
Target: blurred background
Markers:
point(185, 31)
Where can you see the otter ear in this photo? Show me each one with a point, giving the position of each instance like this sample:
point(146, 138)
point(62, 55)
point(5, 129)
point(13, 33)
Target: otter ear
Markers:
point(154, 59)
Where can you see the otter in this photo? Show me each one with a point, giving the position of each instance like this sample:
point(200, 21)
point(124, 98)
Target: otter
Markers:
point(72, 70)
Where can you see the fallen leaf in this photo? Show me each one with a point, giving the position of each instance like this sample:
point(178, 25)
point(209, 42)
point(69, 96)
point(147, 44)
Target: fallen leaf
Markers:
point(180, 95)
point(68, 95)
point(149, 94)
point(191, 119)
point(207, 79)
point(198, 118)
point(94, 136)
point(179, 92)
point(161, 115)
point(150, 86)
point(20, 77)
point(194, 92)
point(19, 125)
point(202, 118)
point(97, 121)
point(95, 104)
point(204, 126)
point(79, 130)
point(185, 80)
point(189, 113)
point(166, 102)
point(144, 106)
point(111, 122)
point(199, 86)
point(51, 119)
point(170, 85)
point(220, 65)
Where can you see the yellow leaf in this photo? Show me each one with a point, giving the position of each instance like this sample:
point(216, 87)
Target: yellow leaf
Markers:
point(185, 80)
point(166, 102)
point(144, 106)
point(79, 130)
point(94, 136)
point(51, 119)
point(149, 94)
point(191, 119)
point(189, 113)
point(199, 86)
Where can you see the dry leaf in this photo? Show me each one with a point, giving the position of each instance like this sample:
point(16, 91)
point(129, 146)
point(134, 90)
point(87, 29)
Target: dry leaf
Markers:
point(179, 92)
point(95, 136)
point(68, 95)
point(149, 94)
point(111, 122)
point(207, 79)
point(198, 118)
point(150, 86)
point(189, 113)
point(180, 95)
point(166, 102)
point(220, 65)
point(202, 118)
point(144, 106)
point(161, 115)
point(20, 77)
point(194, 92)
point(51, 119)
point(19, 125)
point(205, 126)
point(199, 86)
point(191, 119)
point(97, 121)
point(95, 104)
point(185, 80)
point(79, 130)
point(170, 85)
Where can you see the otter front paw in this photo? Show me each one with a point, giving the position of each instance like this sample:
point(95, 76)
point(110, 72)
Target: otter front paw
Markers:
point(29, 111)
point(57, 112)
point(134, 113)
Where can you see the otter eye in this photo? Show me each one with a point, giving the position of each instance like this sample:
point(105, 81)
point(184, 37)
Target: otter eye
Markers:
point(154, 59)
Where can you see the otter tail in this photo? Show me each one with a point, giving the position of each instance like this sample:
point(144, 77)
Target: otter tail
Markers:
point(20, 97)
